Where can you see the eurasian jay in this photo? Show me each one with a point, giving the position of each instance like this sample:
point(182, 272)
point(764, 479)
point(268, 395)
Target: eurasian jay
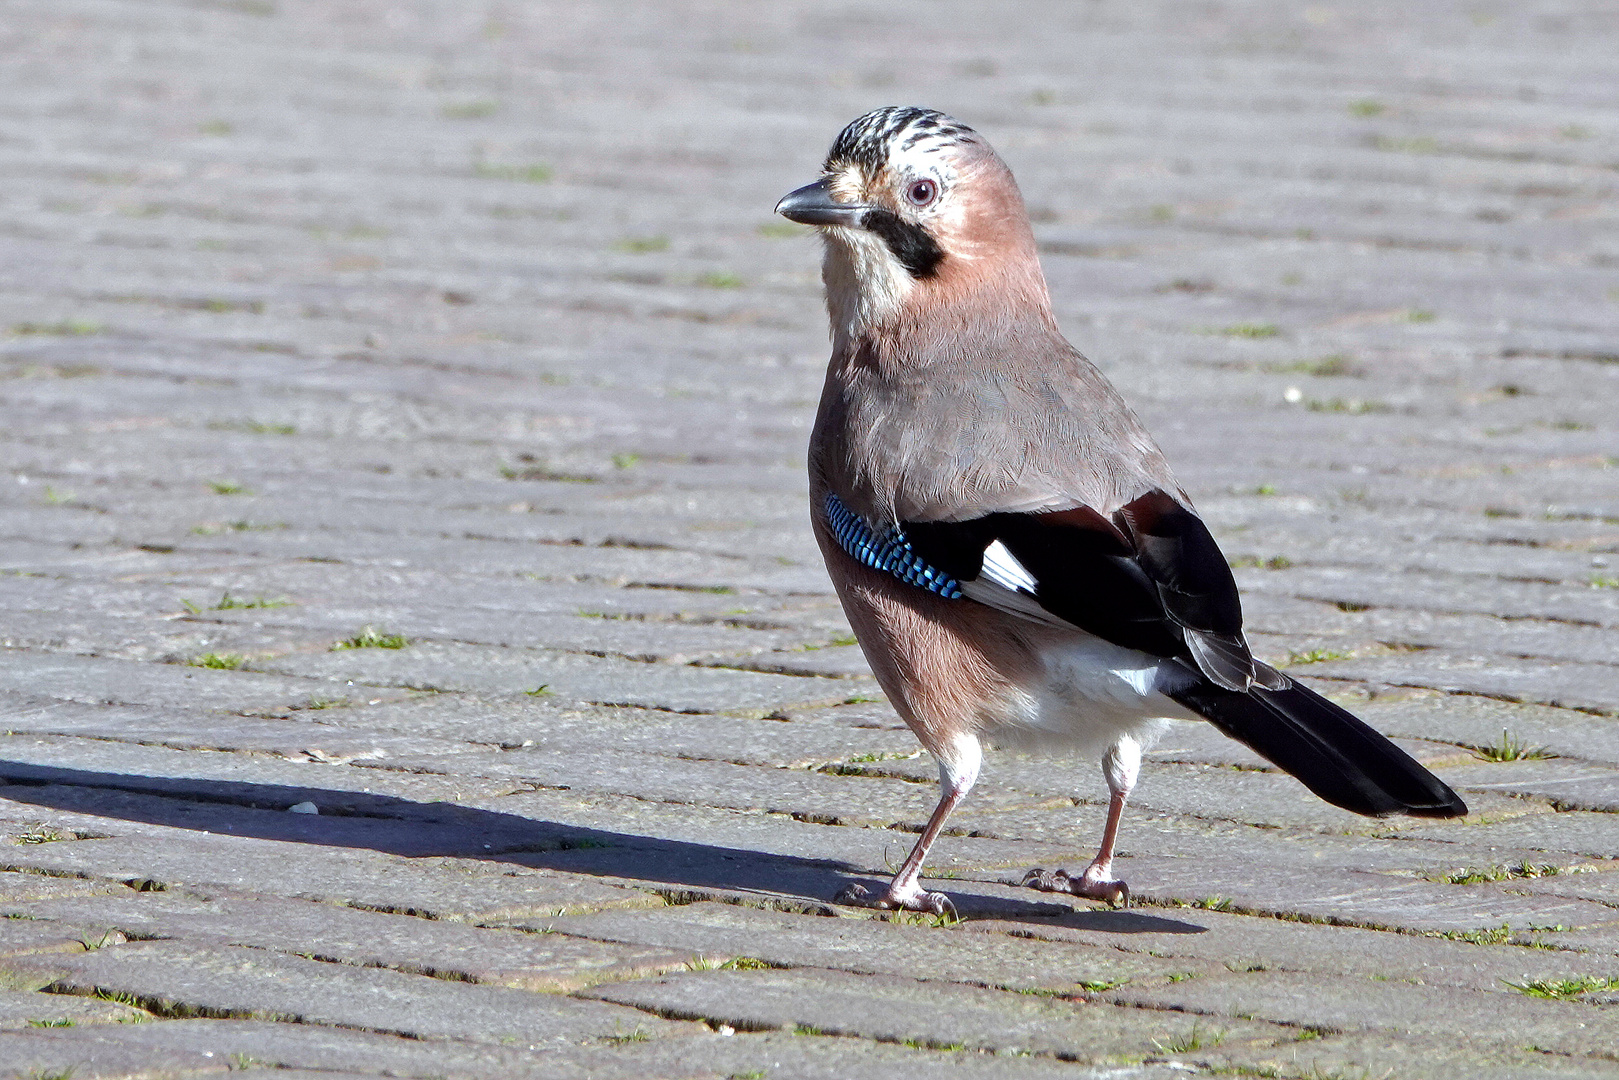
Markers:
point(1008, 543)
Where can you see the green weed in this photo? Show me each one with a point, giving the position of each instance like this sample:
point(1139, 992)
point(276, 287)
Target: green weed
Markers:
point(1509, 748)
point(1196, 1039)
point(1525, 869)
point(1563, 989)
point(371, 638)
point(1352, 406)
point(1251, 330)
point(227, 602)
point(528, 174)
point(37, 832)
point(65, 328)
point(1314, 656)
point(1328, 367)
point(643, 245)
point(219, 661)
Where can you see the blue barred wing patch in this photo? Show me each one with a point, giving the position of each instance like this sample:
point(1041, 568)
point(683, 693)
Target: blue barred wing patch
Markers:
point(888, 551)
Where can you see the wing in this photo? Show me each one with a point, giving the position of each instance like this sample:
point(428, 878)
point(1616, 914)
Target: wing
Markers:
point(1150, 577)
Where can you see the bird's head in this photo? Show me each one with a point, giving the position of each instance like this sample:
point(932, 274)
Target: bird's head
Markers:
point(917, 212)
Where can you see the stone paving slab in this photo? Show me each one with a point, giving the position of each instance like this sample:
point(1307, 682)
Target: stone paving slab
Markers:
point(546, 963)
point(1351, 1005)
point(183, 1048)
point(1242, 943)
point(22, 1010)
point(892, 1009)
point(472, 324)
point(251, 983)
point(723, 932)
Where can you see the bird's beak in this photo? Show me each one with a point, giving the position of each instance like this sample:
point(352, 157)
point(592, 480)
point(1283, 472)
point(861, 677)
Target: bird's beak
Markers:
point(812, 204)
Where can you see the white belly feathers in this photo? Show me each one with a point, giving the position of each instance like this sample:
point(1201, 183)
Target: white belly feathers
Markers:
point(1093, 692)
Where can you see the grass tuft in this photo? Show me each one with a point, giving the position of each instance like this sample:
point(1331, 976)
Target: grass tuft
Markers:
point(1563, 989)
point(1509, 748)
point(1251, 330)
point(37, 832)
point(1352, 406)
point(219, 661)
point(371, 638)
point(1314, 656)
point(643, 245)
point(1196, 1039)
point(1490, 935)
point(65, 328)
point(528, 174)
point(214, 528)
point(721, 279)
point(229, 487)
point(1275, 562)
point(1524, 869)
point(227, 602)
point(1327, 367)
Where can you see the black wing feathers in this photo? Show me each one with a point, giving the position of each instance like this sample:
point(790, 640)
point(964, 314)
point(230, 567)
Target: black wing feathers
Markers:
point(1177, 551)
point(1152, 578)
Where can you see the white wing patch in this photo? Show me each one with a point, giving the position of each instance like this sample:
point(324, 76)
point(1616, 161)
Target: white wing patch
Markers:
point(1002, 567)
point(1006, 585)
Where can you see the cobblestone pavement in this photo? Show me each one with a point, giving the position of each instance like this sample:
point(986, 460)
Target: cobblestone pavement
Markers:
point(415, 658)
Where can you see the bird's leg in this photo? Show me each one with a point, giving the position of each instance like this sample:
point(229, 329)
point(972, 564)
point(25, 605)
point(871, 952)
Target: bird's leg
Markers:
point(1121, 765)
point(958, 769)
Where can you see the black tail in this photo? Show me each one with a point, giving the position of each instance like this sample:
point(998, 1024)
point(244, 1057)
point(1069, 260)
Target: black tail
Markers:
point(1334, 753)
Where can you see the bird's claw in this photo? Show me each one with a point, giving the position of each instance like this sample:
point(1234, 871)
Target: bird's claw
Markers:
point(929, 903)
point(1090, 886)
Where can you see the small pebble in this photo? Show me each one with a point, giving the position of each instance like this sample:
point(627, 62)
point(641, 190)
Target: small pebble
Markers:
point(303, 808)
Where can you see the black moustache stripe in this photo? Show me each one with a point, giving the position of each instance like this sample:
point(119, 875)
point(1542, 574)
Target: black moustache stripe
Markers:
point(915, 249)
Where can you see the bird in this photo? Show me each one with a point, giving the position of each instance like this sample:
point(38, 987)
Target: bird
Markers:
point(1008, 543)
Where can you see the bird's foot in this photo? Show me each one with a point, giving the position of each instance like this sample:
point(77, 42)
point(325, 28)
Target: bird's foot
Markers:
point(1093, 884)
point(913, 899)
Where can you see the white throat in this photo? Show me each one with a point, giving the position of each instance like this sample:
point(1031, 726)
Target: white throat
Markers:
point(865, 284)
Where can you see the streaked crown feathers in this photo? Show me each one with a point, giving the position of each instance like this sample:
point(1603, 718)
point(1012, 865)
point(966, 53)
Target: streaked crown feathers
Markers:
point(872, 141)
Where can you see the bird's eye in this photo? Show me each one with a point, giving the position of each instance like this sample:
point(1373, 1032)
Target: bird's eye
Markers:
point(922, 192)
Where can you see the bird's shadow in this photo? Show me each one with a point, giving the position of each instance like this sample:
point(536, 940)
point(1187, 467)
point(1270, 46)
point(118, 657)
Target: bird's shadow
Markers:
point(404, 827)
